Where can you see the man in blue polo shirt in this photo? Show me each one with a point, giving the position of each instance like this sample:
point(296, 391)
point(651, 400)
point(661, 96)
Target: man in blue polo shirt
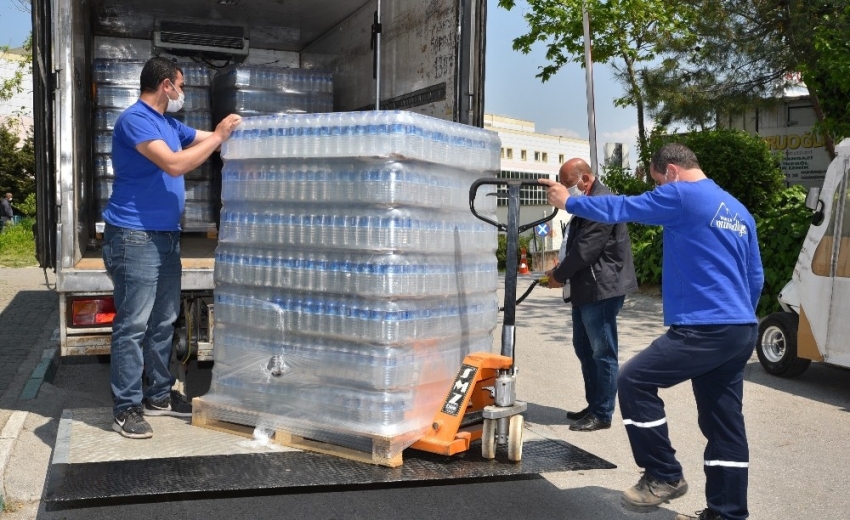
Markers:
point(141, 248)
point(712, 280)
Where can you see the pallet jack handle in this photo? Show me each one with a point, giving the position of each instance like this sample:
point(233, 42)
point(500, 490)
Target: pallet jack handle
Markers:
point(512, 229)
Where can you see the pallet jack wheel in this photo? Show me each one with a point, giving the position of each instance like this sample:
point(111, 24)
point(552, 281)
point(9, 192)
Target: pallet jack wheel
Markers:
point(488, 439)
point(515, 438)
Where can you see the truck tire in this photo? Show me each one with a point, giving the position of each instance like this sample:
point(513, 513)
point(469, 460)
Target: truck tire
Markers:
point(777, 345)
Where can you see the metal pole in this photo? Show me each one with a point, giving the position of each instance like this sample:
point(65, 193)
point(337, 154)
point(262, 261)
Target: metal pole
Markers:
point(591, 111)
point(378, 59)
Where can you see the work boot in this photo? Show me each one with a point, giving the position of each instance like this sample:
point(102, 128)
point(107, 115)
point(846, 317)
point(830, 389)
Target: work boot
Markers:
point(652, 492)
point(705, 514)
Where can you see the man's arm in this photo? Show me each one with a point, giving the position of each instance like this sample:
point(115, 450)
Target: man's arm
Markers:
point(186, 160)
point(755, 270)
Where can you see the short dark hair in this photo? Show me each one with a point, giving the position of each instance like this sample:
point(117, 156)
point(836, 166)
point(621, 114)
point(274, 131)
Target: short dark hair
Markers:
point(155, 71)
point(674, 153)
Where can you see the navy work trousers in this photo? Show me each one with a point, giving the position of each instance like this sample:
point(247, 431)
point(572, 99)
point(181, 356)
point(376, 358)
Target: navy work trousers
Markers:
point(713, 357)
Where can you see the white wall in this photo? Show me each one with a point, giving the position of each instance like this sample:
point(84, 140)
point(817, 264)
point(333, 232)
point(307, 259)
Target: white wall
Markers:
point(20, 105)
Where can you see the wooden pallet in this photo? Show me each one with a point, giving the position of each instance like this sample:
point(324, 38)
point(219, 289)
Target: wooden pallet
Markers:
point(204, 415)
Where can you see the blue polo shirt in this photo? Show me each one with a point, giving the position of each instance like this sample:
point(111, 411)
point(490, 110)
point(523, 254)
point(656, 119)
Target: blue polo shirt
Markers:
point(144, 196)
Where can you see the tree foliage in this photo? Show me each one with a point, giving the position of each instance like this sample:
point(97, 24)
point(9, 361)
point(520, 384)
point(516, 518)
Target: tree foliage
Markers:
point(745, 53)
point(17, 163)
point(624, 33)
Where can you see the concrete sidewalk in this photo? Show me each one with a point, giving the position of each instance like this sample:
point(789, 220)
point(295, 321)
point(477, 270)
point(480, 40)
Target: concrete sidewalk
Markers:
point(28, 319)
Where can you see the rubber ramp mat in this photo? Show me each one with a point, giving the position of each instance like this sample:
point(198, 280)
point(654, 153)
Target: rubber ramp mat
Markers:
point(72, 485)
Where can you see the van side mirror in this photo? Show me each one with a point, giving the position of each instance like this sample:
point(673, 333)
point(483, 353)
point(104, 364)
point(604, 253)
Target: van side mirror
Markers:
point(814, 203)
point(812, 198)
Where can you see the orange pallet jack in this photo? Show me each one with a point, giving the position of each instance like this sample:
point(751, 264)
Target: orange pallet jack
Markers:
point(481, 403)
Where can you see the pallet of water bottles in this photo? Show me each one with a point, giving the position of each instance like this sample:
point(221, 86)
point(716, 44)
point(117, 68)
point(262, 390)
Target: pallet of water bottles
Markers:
point(255, 90)
point(392, 133)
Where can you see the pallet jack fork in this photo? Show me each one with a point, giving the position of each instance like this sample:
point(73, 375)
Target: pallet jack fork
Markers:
point(481, 403)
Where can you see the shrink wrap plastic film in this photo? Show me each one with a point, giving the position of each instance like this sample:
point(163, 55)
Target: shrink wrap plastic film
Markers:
point(350, 288)
point(116, 88)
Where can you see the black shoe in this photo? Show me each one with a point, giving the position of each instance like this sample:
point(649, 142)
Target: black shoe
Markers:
point(130, 423)
point(176, 406)
point(575, 416)
point(705, 514)
point(589, 423)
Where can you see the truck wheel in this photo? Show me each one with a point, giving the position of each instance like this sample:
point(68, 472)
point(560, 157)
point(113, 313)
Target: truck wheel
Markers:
point(777, 345)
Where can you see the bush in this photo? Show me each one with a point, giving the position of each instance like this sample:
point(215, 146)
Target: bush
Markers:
point(17, 244)
point(781, 231)
point(502, 250)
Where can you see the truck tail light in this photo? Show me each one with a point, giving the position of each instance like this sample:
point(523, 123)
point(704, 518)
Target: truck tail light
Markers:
point(93, 311)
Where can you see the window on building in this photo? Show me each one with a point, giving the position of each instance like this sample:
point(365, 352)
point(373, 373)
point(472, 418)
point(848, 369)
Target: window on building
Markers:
point(523, 155)
point(528, 195)
point(509, 153)
point(544, 157)
point(503, 152)
point(560, 158)
point(538, 156)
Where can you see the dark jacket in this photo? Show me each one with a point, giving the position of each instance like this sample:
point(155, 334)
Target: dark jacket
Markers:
point(598, 262)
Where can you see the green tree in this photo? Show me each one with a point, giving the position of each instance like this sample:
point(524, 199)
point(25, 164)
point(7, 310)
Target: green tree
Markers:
point(624, 33)
point(17, 164)
point(744, 53)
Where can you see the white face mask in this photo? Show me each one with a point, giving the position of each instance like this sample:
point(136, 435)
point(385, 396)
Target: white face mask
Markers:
point(175, 105)
point(574, 191)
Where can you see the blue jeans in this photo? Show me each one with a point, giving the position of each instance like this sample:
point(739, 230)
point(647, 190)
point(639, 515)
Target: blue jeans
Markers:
point(595, 343)
point(145, 269)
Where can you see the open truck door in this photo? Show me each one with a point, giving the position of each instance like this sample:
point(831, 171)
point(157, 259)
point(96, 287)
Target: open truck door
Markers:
point(814, 326)
point(42, 45)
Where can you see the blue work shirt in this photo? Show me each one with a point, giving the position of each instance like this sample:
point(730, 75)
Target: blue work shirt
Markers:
point(143, 195)
point(712, 272)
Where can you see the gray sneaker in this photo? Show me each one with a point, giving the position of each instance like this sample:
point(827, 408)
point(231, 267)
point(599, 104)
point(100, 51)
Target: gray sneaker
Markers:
point(651, 492)
point(131, 424)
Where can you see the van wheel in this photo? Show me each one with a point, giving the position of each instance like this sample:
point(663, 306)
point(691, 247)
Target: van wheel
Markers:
point(777, 345)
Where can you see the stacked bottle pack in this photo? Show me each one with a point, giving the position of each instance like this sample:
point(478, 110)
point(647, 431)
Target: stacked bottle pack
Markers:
point(257, 90)
point(116, 88)
point(349, 289)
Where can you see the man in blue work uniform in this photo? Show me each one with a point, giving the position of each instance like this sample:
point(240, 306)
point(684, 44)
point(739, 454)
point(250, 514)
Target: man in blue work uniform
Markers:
point(141, 244)
point(712, 280)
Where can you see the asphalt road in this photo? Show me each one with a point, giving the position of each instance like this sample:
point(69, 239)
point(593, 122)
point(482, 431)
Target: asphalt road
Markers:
point(800, 452)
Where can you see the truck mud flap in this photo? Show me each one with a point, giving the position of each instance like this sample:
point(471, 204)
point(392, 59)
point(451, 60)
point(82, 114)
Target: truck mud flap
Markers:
point(94, 466)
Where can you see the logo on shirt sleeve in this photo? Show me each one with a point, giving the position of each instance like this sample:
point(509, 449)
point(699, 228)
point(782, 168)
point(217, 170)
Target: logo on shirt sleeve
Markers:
point(724, 220)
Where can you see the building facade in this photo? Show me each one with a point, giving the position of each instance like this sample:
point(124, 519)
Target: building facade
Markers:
point(529, 155)
point(787, 127)
point(19, 107)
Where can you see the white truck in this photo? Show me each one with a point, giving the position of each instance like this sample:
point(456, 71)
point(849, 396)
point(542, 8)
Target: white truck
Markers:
point(426, 57)
point(815, 324)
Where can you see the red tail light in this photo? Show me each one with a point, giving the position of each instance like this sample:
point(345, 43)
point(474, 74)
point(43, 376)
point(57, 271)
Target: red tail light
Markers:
point(93, 311)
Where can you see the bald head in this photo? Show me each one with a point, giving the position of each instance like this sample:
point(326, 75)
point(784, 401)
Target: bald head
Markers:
point(576, 172)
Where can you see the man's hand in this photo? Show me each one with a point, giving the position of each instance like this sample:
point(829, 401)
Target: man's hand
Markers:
point(556, 193)
point(227, 125)
point(551, 282)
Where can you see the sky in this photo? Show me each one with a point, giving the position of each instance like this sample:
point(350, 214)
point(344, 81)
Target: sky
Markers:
point(557, 107)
